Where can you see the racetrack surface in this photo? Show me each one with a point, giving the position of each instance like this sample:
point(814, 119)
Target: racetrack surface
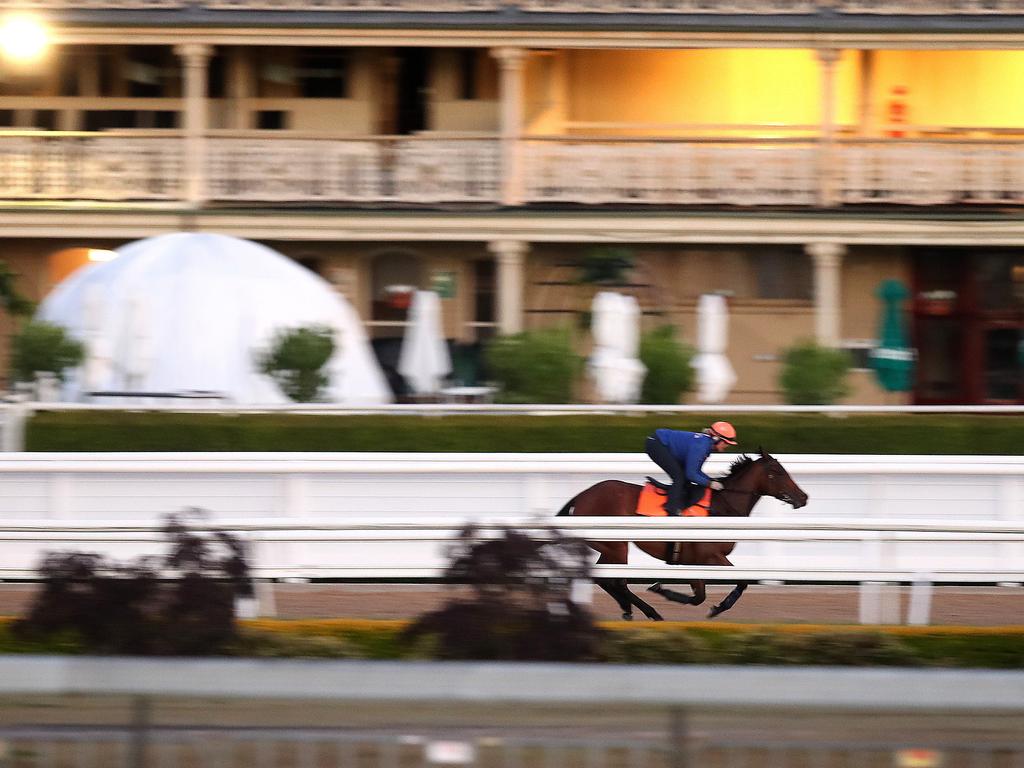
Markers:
point(965, 606)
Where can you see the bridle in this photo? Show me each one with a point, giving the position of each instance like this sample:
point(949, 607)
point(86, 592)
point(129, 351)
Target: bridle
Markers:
point(770, 478)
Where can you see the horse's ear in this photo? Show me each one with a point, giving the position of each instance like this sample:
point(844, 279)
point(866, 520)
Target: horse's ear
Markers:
point(760, 450)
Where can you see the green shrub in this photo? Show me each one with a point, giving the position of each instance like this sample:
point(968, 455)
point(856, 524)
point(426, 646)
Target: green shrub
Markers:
point(42, 346)
point(295, 361)
point(669, 373)
point(534, 366)
point(814, 375)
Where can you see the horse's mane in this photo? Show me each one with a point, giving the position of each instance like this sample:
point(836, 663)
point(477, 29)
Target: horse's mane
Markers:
point(740, 465)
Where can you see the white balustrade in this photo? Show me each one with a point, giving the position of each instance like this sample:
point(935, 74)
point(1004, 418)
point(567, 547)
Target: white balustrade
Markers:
point(670, 172)
point(426, 170)
point(90, 167)
point(354, 170)
point(916, 173)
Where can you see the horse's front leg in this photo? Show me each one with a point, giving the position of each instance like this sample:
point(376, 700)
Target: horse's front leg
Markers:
point(699, 594)
point(732, 597)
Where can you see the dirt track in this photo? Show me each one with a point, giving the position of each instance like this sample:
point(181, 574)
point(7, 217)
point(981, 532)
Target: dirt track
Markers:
point(970, 606)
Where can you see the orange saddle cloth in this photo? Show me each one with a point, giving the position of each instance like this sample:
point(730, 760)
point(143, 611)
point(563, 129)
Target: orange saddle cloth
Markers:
point(652, 498)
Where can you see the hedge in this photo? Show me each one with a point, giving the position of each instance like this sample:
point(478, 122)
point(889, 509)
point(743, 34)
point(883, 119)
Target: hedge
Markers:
point(777, 433)
point(667, 643)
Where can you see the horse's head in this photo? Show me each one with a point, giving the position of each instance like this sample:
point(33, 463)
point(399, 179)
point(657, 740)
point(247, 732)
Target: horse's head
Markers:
point(777, 483)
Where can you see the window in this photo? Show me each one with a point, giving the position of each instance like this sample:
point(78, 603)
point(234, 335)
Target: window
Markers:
point(271, 120)
point(322, 73)
point(783, 273)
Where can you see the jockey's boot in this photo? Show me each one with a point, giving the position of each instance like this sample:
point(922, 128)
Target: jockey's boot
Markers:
point(672, 510)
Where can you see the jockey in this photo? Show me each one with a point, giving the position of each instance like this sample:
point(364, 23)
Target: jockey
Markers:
point(682, 454)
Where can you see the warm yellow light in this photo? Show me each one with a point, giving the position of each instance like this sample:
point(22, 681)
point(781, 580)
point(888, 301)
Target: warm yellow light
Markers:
point(97, 254)
point(23, 38)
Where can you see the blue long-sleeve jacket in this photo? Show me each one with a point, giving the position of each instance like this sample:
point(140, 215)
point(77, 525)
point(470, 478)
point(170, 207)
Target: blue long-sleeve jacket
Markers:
point(691, 449)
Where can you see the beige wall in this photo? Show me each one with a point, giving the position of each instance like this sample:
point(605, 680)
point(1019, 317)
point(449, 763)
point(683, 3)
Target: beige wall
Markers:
point(706, 86)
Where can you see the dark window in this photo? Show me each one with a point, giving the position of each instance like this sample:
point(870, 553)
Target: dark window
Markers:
point(69, 67)
point(6, 118)
point(165, 119)
point(271, 120)
point(105, 73)
point(783, 273)
point(467, 74)
point(216, 77)
point(145, 71)
point(45, 120)
point(1004, 364)
point(483, 297)
point(323, 73)
point(108, 120)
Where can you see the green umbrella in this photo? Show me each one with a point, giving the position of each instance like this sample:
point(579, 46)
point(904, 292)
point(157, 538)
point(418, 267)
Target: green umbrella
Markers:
point(893, 358)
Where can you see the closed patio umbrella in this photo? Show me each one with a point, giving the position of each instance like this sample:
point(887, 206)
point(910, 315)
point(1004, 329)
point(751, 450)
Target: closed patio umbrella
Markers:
point(613, 366)
point(715, 374)
point(424, 360)
point(893, 358)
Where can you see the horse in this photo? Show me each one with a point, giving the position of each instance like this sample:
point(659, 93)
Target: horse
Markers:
point(747, 481)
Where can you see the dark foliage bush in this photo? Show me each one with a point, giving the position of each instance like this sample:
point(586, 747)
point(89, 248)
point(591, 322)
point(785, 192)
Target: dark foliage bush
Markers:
point(181, 604)
point(534, 366)
point(295, 361)
point(669, 374)
point(814, 375)
point(40, 346)
point(519, 607)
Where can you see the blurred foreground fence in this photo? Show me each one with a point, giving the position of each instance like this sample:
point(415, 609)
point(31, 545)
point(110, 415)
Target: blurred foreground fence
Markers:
point(89, 712)
point(413, 550)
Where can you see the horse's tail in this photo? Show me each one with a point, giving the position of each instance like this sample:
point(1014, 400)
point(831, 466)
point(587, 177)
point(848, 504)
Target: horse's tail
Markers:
point(568, 508)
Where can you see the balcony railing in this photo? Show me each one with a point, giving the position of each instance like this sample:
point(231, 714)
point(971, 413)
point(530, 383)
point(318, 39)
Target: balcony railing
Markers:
point(551, 171)
point(683, 7)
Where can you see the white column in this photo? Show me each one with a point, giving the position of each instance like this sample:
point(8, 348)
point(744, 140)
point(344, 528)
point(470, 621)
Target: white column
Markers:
point(826, 155)
point(511, 256)
point(195, 57)
point(828, 259)
point(511, 62)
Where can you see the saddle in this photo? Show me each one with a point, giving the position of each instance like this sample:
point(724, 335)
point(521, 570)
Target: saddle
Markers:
point(652, 499)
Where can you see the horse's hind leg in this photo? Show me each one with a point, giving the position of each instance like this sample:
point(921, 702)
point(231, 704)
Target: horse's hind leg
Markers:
point(621, 593)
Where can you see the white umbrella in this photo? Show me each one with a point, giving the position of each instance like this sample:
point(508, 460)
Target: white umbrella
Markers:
point(613, 365)
point(715, 374)
point(139, 338)
point(423, 360)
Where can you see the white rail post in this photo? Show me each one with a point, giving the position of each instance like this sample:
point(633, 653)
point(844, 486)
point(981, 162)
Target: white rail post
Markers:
point(919, 611)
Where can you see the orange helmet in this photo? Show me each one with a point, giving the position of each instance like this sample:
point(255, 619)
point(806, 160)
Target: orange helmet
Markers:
point(724, 431)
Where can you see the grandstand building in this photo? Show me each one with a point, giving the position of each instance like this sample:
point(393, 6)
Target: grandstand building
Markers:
point(790, 154)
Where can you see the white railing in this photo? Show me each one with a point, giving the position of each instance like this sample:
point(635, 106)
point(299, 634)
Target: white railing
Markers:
point(414, 550)
point(482, 684)
point(430, 170)
point(90, 167)
point(922, 173)
point(414, 170)
point(305, 499)
point(670, 172)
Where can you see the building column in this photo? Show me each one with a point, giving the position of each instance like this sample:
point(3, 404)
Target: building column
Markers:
point(511, 62)
point(195, 57)
point(826, 150)
point(511, 256)
point(828, 259)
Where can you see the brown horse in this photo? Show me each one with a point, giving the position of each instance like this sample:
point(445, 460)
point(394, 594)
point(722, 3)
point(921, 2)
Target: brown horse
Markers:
point(748, 480)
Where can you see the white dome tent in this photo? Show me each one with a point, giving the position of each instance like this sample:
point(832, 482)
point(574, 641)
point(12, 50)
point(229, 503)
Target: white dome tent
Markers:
point(188, 312)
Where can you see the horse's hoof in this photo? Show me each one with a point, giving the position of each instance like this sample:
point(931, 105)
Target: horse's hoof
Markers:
point(627, 617)
point(656, 588)
point(714, 612)
point(656, 617)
